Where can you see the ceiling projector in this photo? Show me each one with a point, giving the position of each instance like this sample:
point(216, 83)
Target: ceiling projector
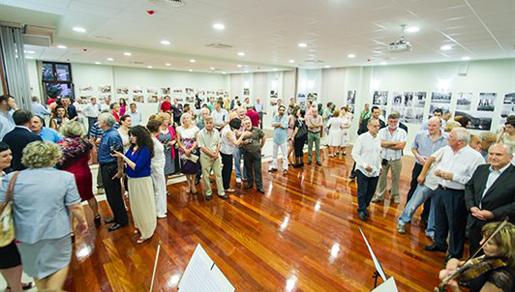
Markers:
point(399, 46)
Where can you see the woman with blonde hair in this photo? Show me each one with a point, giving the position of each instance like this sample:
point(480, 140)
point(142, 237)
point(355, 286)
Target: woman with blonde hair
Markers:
point(186, 138)
point(501, 247)
point(76, 153)
point(51, 196)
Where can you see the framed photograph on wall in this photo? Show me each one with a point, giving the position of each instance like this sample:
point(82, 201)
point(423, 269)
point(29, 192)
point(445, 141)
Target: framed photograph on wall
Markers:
point(380, 98)
point(486, 101)
point(351, 100)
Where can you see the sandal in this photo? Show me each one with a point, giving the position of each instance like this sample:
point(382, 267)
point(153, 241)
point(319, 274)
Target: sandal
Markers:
point(24, 286)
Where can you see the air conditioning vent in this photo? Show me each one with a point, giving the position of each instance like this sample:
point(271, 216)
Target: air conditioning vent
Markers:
point(311, 61)
point(38, 36)
point(218, 46)
point(138, 63)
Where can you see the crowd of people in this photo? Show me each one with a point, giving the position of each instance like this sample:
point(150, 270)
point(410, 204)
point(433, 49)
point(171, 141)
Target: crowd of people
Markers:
point(464, 181)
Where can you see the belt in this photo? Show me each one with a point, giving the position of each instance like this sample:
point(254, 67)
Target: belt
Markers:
point(449, 189)
point(314, 132)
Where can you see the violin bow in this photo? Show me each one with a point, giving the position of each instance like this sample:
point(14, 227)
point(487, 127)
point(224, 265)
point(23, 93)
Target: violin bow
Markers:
point(444, 282)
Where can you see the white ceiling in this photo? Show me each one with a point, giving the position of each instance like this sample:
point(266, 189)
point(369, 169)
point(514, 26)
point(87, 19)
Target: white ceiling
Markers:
point(269, 31)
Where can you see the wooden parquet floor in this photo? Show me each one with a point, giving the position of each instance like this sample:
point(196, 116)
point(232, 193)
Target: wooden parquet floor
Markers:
point(302, 235)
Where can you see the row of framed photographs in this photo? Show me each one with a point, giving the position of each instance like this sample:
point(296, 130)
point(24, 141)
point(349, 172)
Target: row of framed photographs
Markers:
point(137, 90)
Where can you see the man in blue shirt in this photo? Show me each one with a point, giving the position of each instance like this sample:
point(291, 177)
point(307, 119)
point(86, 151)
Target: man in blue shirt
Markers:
point(280, 125)
point(111, 169)
point(135, 115)
point(47, 134)
point(7, 107)
point(38, 109)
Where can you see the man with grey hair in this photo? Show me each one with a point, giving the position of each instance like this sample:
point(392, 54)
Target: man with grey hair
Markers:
point(111, 169)
point(490, 193)
point(457, 165)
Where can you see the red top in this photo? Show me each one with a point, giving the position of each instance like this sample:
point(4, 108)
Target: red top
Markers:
point(116, 116)
point(50, 100)
point(254, 117)
point(166, 106)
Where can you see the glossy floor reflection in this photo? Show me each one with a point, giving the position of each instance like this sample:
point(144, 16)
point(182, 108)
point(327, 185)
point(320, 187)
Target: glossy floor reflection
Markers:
point(302, 235)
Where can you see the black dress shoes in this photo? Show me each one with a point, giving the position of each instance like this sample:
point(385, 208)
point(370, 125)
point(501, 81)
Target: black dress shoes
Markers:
point(362, 216)
point(435, 247)
point(224, 197)
point(208, 198)
point(261, 191)
point(98, 221)
point(115, 226)
point(109, 220)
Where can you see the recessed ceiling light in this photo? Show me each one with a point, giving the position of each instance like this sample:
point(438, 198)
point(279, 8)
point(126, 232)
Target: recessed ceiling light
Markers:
point(383, 63)
point(193, 60)
point(302, 45)
point(128, 54)
point(412, 29)
point(29, 57)
point(219, 26)
point(165, 42)
point(275, 69)
point(212, 68)
point(191, 70)
point(465, 58)
point(97, 63)
point(110, 59)
point(224, 72)
point(79, 29)
point(149, 67)
point(61, 47)
point(241, 54)
point(327, 66)
point(446, 47)
point(168, 64)
point(351, 56)
point(291, 61)
point(239, 65)
point(29, 52)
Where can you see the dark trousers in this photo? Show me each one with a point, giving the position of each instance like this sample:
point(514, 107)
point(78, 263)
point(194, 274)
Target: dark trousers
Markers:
point(366, 189)
point(450, 217)
point(260, 120)
point(91, 122)
point(298, 146)
point(226, 170)
point(113, 190)
point(253, 167)
point(475, 237)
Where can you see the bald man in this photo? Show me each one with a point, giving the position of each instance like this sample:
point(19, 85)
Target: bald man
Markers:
point(490, 193)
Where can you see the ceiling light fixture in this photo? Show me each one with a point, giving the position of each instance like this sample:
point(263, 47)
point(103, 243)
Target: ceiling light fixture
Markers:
point(219, 26)
point(465, 58)
point(191, 70)
point(168, 64)
point(239, 65)
point(302, 45)
point(383, 63)
point(212, 68)
point(165, 42)
point(29, 57)
point(412, 29)
point(149, 67)
point(327, 66)
point(128, 54)
point(29, 52)
point(110, 59)
point(61, 47)
point(241, 54)
point(351, 56)
point(446, 47)
point(291, 61)
point(193, 60)
point(79, 29)
point(98, 63)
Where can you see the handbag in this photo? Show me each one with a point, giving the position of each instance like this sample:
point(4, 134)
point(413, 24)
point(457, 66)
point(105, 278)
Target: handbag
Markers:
point(6, 215)
point(301, 132)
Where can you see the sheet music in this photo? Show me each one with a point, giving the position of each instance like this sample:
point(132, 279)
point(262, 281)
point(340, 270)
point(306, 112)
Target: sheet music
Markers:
point(379, 269)
point(202, 274)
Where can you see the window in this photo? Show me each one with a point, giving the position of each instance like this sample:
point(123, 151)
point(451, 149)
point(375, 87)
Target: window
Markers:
point(57, 79)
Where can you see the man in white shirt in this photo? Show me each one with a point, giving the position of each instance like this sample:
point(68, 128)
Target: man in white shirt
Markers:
point(220, 115)
point(260, 109)
point(393, 140)
point(91, 111)
point(455, 169)
point(367, 155)
point(7, 108)
point(135, 115)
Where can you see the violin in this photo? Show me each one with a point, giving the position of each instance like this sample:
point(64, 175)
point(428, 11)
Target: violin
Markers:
point(475, 266)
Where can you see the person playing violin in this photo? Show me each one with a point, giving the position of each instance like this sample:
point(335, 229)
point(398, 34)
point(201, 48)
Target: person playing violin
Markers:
point(493, 272)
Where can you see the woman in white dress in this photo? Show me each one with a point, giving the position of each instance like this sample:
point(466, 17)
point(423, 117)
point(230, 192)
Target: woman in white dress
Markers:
point(346, 117)
point(334, 125)
point(157, 169)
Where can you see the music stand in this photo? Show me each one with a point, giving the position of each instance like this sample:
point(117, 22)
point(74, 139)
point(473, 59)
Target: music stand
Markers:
point(379, 269)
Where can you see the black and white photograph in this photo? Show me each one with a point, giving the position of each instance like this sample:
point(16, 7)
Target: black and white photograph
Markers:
point(86, 88)
point(122, 90)
point(396, 99)
point(137, 91)
point(508, 105)
point(178, 91)
point(443, 106)
point(152, 90)
point(380, 98)
point(412, 115)
point(407, 99)
point(420, 99)
point(153, 99)
point(105, 89)
point(190, 98)
point(138, 98)
point(351, 100)
point(479, 120)
point(246, 91)
point(212, 92)
point(464, 101)
point(486, 101)
point(83, 99)
point(165, 90)
point(441, 97)
point(273, 94)
point(313, 96)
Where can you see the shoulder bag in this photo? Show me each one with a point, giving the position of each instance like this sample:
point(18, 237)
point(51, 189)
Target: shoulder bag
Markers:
point(6, 215)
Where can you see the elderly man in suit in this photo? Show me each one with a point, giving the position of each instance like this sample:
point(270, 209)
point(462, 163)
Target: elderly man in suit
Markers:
point(20, 137)
point(490, 193)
